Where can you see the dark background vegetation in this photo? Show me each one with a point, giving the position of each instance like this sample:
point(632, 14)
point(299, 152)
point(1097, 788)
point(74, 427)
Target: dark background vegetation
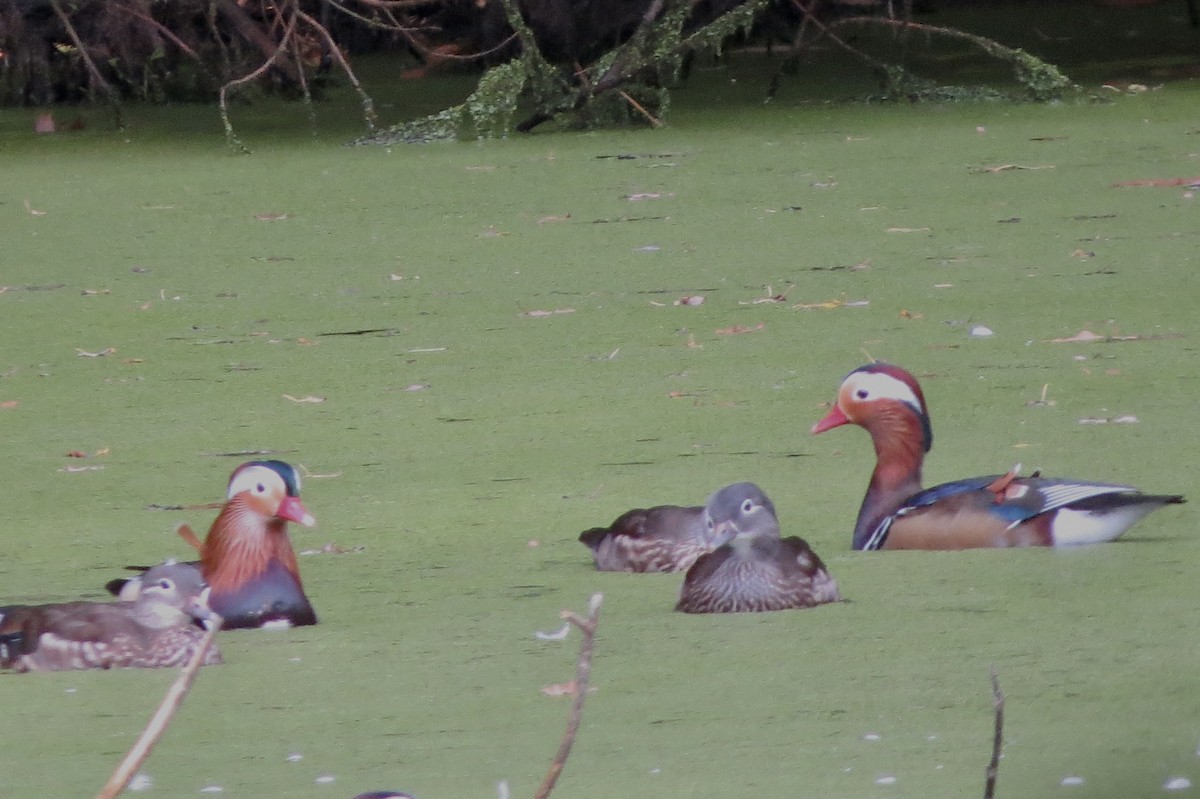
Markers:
point(63, 52)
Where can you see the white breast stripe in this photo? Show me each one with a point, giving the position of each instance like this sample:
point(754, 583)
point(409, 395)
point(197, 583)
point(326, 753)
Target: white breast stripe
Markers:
point(1066, 493)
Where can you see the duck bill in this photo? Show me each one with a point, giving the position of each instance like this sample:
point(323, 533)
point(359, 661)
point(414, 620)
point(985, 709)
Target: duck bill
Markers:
point(293, 510)
point(835, 418)
point(722, 534)
point(200, 610)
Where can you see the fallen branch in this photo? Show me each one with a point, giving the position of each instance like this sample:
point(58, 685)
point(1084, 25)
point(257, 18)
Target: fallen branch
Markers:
point(993, 769)
point(161, 718)
point(583, 670)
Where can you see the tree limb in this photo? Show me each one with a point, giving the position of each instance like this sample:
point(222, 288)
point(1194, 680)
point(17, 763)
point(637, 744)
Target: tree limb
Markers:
point(161, 718)
point(583, 670)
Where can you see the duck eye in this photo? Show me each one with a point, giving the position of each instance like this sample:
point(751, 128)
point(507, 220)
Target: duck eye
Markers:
point(862, 393)
point(708, 522)
point(260, 488)
point(164, 584)
point(747, 506)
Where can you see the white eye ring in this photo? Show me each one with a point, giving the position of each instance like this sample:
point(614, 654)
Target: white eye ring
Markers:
point(747, 505)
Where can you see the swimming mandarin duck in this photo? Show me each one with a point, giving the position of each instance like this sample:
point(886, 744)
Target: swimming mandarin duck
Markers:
point(751, 568)
point(666, 538)
point(247, 557)
point(158, 629)
point(993, 511)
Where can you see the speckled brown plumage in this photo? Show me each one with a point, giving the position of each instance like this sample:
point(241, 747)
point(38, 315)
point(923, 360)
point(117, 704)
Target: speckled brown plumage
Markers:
point(158, 629)
point(751, 568)
point(665, 538)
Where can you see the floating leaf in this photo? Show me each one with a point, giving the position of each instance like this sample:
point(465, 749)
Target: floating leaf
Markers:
point(829, 305)
point(8, 405)
point(737, 329)
point(552, 218)
point(1011, 167)
point(690, 299)
point(97, 354)
point(557, 635)
point(270, 217)
point(310, 399)
point(556, 311)
point(569, 688)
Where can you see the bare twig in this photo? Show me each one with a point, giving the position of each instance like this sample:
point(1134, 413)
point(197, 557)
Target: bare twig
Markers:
point(93, 71)
point(993, 769)
point(230, 136)
point(161, 718)
point(641, 109)
point(583, 670)
point(336, 53)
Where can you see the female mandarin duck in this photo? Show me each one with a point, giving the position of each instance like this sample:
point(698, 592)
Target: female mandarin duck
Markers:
point(993, 511)
point(247, 557)
point(751, 568)
point(158, 629)
point(665, 538)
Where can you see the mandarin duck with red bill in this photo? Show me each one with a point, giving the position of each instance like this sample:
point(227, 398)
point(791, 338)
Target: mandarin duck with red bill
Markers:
point(156, 630)
point(993, 511)
point(751, 568)
point(665, 538)
point(247, 557)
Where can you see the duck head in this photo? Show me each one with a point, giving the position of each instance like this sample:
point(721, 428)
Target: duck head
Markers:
point(880, 397)
point(173, 594)
point(270, 489)
point(736, 511)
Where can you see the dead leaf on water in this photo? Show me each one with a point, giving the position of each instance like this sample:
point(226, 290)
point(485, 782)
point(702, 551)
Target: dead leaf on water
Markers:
point(690, 299)
point(97, 354)
point(8, 405)
point(1042, 401)
point(94, 292)
point(647, 195)
point(569, 688)
point(492, 232)
point(907, 314)
point(1012, 167)
point(829, 305)
point(907, 230)
point(307, 475)
point(1126, 418)
point(772, 296)
point(415, 387)
point(33, 211)
point(76, 469)
point(542, 220)
point(540, 313)
point(269, 216)
point(333, 549)
point(311, 399)
point(737, 329)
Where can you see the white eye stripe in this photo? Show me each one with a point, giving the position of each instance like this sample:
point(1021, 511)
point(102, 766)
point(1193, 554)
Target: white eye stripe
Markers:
point(881, 386)
point(259, 479)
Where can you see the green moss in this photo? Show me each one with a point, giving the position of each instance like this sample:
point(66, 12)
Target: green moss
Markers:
point(424, 673)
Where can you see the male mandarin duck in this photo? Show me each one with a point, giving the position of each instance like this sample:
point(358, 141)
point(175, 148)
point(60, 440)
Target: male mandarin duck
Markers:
point(751, 568)
point(994, 511)
point(666, 538)
point(158, 629)
point(247, 557)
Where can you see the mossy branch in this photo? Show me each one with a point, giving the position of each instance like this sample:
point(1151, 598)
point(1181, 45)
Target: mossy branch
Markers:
point(1042, 80)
